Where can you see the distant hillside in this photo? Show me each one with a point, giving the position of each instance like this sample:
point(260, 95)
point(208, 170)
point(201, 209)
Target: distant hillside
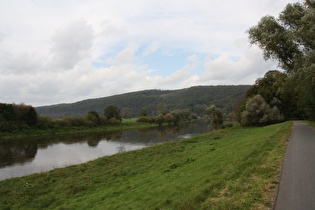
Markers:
point(196, 99)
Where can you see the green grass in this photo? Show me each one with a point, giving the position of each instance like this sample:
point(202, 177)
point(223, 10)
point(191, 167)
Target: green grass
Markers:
point(234, 168)
point(311, 123)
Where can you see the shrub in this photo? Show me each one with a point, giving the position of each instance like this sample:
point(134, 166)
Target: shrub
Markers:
point(93, 117)
point(44, 122)
point(146, 119)
point(259, 113)
point(113, 121)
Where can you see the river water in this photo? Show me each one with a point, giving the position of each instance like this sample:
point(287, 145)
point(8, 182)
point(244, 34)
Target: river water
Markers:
point(25, 156)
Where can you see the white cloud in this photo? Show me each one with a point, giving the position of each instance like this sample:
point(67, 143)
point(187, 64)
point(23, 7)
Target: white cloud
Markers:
point(71, 43)
point(226, 70)
point(21, 63)
point(126, 56)
point(63, 51)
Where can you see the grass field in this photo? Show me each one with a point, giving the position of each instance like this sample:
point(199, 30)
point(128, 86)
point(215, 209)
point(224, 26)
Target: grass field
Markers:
point(235, 168)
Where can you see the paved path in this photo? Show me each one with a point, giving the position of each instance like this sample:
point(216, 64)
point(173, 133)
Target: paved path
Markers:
point(297, 185)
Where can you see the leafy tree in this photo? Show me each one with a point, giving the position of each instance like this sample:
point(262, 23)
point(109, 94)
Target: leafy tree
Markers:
point(160, 120)
point(258, 112)
point(16, 116)
point(170, 119)
point(25, 114)
point(143, 113)
point(6, 112)
point(31, 116)
point(215, 115)
point(112, 111)
point(94, 117)
point(162, 109)
point(289, 39)
point(277, 89)
point(126, 113)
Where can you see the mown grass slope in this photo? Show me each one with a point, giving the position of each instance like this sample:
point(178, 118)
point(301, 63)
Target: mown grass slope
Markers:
point(234, 168)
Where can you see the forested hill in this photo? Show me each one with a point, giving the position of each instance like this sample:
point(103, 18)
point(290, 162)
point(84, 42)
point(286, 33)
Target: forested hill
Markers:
point(196, 99)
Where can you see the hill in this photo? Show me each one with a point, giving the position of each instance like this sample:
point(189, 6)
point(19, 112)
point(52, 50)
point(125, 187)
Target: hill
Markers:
point(196, 99)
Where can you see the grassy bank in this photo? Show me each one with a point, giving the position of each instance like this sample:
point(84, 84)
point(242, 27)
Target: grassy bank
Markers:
point(125, 125)
point(234, 168)
point(311, 123)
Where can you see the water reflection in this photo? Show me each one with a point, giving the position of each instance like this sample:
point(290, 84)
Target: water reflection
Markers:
point(16, 152)
point(25, 156)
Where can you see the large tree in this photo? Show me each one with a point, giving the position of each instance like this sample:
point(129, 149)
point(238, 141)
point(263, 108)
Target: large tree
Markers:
point(258, 113)
point(277, 89)
point(215, 115)
point(112, 111)
point(289, 39)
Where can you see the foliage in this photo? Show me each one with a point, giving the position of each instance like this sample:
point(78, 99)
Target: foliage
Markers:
point(146, 119)
point(215, 115)
point(258, 113)
point(195, 99)
point(16, 117)
point(143, 113)
point(94, 117)
point(126, 113)
point(289, 39)
point(277, 89)
point(112, 112)
point(239, 171)
point(171, 118)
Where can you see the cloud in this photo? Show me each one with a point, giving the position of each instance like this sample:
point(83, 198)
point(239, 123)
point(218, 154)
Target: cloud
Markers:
point(71, 43)
point(72, 50)
point(154, 46)
point(125, 56)
point(227, 70)
point(20, 63)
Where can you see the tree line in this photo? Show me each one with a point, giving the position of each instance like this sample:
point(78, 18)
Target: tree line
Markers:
point(15, 117)
point(290, 94)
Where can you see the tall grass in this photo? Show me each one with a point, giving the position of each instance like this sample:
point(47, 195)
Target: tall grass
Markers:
point(235, 168)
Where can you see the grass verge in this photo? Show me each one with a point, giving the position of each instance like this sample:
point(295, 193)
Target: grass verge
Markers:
point(234, 168)
point(311, 123)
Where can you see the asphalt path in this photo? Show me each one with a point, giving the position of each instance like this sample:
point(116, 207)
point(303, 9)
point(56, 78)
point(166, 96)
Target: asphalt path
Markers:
point(297, 183)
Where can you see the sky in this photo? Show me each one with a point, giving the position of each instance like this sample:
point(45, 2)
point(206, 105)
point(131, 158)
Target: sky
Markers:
point(63, 51)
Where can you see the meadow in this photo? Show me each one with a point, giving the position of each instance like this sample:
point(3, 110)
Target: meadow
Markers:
point(234, 168)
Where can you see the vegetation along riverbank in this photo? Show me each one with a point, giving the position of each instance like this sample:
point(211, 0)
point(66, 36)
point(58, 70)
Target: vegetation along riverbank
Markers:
point(235, 168)
point(69, 130)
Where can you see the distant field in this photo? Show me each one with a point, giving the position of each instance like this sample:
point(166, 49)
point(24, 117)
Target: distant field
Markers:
point(235, 168)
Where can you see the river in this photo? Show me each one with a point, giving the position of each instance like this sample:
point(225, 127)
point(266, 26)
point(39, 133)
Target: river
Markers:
point(25, 156)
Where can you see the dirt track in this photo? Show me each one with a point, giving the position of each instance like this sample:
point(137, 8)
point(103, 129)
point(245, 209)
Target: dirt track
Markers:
point(297, 185)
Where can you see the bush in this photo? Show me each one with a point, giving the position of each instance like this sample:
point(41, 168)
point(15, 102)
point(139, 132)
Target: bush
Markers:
point(259, 113)
point(146, 119)
point(44, 122)
point(113, 121)
point(215, 115)
point(228, 125)
point(93, 117)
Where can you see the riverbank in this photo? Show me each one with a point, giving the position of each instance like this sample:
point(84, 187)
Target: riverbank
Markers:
point(125, 125)
point(227, 169)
